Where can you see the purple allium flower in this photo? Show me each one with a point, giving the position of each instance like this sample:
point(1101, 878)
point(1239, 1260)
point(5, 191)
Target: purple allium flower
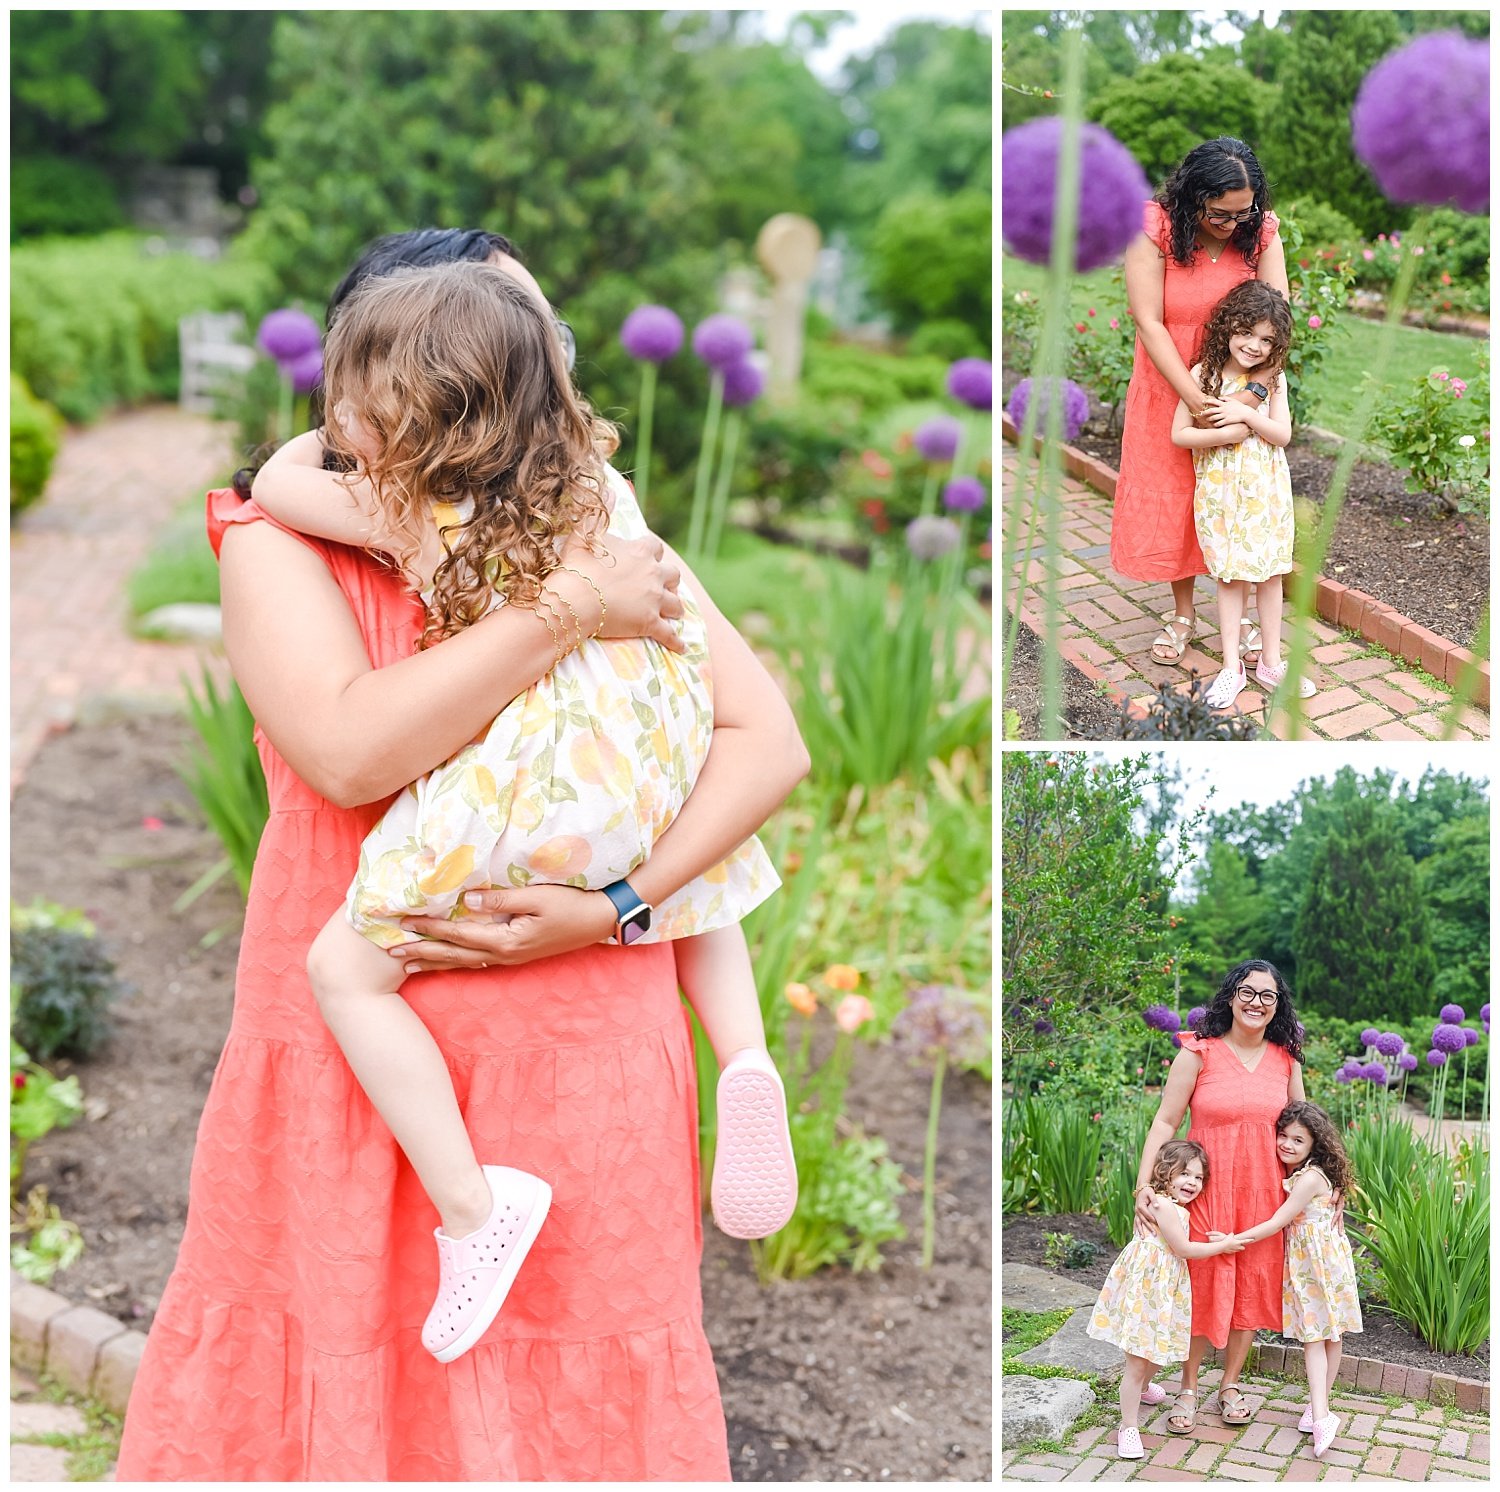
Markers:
point(931, 538)
point(971, 380)
point(652, 334)
point(1471, 1036)
point(1195, 1015)
point(1342, 1077)
point(1375, 1072)
point(1407, 1061)
point(287, 335)
point(306, 372)
point(1389, 1043)
point(1161, 1018)
point(937, 439)
point(1075, 404)
point(1448, 1038)
point(1112, 181)
point(1436, 1059)
point(1421, 122)
point(744, 383)
point(721, 340)
point(1042, 1026)
point(964, 495)
point(1351, 1070)
point(1451, 1014)
point(940, 1017)
point(1484, 1012)
point(1369, 1036)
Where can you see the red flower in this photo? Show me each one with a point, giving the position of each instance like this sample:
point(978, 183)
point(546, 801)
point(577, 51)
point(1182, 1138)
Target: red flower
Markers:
point(1078, 326)
point(20, 1081)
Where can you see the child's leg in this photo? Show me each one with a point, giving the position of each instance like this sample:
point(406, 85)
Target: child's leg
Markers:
point(1231, 600)
point(401, 1069)
point(1335, 1354)
point(715, 974)
point(1316, 1357)
point(1269, 595)
point(1138, 1371)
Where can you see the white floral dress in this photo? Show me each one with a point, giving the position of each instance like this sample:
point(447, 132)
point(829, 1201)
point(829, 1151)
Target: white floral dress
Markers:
point(1319, 1293)
point(571, 785)
point(1146, 1305)
point(1242, 506)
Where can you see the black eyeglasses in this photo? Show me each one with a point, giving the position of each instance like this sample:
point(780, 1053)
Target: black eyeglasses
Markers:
point(1247, 996)
point(1230, 217)
point(568, 340)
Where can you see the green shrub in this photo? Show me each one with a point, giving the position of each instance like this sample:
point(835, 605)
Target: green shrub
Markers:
point(789, 453)
point(62, 981)
point(930, 259)
point(1461, 243)
point(1323, 227)
point(180, 565)
point(53, 194)
point(948, 339)
point(870, 379)
point(35, 429)
point(93, 322)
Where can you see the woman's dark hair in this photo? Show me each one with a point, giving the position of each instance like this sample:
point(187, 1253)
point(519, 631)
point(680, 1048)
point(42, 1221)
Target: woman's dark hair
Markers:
point(417, 249)
point(1282, 1028)
point(1327, 1153)
point(1209, 171)
point(1241, 311)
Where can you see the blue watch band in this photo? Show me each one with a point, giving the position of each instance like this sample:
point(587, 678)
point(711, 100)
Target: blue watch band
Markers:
point(632, 915)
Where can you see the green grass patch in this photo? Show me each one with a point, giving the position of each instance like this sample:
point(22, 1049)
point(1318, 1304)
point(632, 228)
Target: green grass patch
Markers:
point(179, 566)
point(1020, 1331)
point(92, 1452)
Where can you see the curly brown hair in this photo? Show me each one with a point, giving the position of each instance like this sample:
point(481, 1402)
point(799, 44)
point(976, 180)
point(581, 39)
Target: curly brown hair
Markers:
point(1172, 1160)
point(457, 374)
point(1327, 1153)
point(1244, 308)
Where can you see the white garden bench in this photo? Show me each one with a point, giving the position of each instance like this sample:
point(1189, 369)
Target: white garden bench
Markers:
point(215, 358)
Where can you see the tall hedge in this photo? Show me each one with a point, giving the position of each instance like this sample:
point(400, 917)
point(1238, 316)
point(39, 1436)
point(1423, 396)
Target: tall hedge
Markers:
point(93, 321)
point(34, 432)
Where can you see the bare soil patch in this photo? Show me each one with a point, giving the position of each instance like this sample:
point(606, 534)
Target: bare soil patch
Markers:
point(882, 1376)
point(1088, 714)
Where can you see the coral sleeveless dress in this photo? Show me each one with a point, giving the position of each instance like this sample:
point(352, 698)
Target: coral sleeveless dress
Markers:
point(1233, 1113)
point(1152, 536)
point(1320, 1293)
point(1144, 1305)
point(287, 1345)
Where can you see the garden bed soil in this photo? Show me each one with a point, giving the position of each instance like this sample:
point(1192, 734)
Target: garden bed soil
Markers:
point(1023, 1240)
point(1088, 714)
point(879, 1376)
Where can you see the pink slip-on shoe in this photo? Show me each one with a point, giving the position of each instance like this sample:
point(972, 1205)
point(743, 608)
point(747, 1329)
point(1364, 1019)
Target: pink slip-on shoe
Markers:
point(1323, 1431)
point(477, 1271)
point(754, 1186)
point(1128, 1443)
point(1153, 1393)
point(1305, 1424)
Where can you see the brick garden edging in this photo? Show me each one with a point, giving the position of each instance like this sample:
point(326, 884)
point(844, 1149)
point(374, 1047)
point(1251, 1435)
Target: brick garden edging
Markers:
point(1372, 1375)
point(84, 1349)
point(1341, 605)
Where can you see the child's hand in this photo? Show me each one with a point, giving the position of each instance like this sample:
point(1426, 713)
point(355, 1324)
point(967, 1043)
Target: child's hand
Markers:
point(1221, 412)
point(1233, 1244)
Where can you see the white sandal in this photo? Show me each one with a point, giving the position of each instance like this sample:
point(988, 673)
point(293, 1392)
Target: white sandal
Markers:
point(1169, 640)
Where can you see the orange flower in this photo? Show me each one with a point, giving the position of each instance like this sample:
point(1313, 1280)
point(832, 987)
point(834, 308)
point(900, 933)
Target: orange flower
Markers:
point(841, 976)
point(852, 1012)
point(800, 998)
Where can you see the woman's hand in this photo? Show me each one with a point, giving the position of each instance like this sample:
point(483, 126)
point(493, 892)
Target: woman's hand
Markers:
point(1221, 412)
point(514, 927)
point(638, 580)
point(1145, 1218)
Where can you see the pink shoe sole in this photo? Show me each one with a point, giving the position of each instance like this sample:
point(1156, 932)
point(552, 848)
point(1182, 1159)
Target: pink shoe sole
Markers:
point(754, 1186)
point(476, 1272)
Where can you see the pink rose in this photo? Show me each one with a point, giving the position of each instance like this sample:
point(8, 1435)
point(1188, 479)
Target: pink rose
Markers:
point(852, 1012)
point(1419, 250)
point(1459, 386)
point(1442, 375)
point(1314, 322)
point(1092, 311)
point(1114, 323)
point(1369, 253)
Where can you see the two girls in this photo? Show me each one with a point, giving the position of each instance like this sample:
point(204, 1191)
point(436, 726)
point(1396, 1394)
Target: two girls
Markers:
point(1242, 502)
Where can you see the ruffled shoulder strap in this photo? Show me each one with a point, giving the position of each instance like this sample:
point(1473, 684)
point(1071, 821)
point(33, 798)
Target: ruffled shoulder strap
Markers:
point(1187, 1041)
point(1158, 226)
point(225, 507)
point(1270, 226)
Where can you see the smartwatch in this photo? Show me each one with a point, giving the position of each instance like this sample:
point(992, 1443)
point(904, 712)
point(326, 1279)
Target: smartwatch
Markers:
point(632, 915)
point(1260, 391)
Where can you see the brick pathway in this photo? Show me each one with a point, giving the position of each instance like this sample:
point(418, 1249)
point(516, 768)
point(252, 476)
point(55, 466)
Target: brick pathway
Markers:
point(1111, 621)
point(114, 485)
point(1396, 1442)
point(35, 1417)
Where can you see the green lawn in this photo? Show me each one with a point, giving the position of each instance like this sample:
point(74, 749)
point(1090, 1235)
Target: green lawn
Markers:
point(1333, 393)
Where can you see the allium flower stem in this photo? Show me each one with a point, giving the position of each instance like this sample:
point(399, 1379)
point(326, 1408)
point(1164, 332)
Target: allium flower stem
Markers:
point(1463, 1092)
point(643, 439)
point(1304, 590)
point(285, 397)
point(929, 1159)
point(929, 492)
point(720, 503)
point(705, 464)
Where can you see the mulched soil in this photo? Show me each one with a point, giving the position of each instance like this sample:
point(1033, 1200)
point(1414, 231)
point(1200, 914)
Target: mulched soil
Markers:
point(881, 1376)
point(1388, 542)
point(1023, 1240)
point(1088, 714)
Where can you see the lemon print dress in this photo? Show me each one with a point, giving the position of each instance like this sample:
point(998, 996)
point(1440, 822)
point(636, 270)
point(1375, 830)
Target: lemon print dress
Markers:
point(1146, 1305)
point(1319, 1293)
point(1242, 506)
point(571, 785)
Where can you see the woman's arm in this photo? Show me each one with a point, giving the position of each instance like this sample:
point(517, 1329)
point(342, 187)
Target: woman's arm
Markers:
point(1295, 1091)
point(1145, 285)
point(1176, 1240)
point(1176, 1093)
point(1306, 1187)
point(294, 488)
point(355, 733)
point(1273, 421)
point(1271, 267)
point(755, 760)
point(1190, 436)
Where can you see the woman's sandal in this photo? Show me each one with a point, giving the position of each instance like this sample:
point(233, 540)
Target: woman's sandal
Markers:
point(1249, 641)
point(1246, 1413)
point(1170, 646)
point(1178, 1412)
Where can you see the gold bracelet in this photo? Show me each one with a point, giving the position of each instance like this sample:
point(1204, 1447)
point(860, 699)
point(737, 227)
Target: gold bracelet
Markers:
point(564, 647)
point(589, 581)
point(546, 621)
point(577, 625)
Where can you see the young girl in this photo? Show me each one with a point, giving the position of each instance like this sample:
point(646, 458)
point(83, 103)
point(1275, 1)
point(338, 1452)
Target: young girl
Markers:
point(1242, 506)
point(473, 461)
point(1319, 1296)
point(1146, 1305)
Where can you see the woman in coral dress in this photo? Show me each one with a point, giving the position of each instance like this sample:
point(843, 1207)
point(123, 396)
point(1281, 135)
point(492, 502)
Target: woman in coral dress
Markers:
point(1235, 1073)
point(287, 1344)
point(1208, 229)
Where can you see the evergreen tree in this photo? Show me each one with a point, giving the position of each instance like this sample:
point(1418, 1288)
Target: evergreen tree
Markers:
point(1307, 149)
point(1361, 937)
point(1456, 884)
point(1225, 922)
